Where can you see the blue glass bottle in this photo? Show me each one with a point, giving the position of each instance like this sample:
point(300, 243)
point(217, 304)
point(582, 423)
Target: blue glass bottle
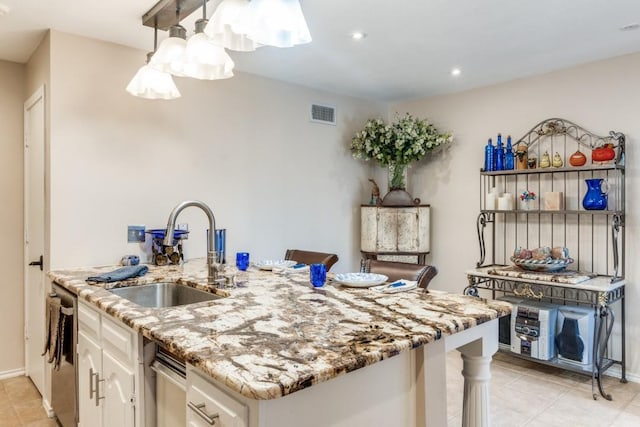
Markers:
point(499, 154)
point(489, 157)
point(508, 155)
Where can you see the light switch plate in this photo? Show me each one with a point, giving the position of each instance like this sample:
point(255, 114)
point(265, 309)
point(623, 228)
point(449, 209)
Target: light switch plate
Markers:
point(135, 233)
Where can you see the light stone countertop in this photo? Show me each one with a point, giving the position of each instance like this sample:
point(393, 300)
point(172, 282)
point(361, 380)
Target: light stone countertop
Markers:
point(275, 334)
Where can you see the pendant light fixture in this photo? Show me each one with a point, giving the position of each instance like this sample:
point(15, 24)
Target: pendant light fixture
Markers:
point(151, 83)
point(219, 27)
point(170, 55)
point(278, 23)
point(240, 25)
point(203, 58)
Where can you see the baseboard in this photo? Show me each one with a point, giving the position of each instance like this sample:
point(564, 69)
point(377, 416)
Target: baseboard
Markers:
point(616, 372)
point(47, 407)
point(12, 373)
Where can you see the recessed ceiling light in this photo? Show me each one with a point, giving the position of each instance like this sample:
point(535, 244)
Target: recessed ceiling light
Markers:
point(4, 9)
point(358, 35)
point(630, 27)
point(456, 72)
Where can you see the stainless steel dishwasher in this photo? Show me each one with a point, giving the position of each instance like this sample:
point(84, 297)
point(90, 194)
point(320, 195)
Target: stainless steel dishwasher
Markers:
point(64, 381)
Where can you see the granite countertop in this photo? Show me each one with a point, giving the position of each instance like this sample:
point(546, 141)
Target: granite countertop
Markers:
point(275, 334)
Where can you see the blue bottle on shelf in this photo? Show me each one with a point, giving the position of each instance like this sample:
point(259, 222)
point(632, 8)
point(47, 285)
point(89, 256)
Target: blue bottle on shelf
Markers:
point(508, 155)
point(499, 154)
point(489, 156)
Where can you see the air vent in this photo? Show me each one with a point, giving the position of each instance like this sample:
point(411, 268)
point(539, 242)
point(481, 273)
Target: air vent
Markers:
point(323, 114)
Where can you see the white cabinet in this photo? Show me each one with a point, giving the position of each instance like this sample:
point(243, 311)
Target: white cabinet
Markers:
point(109, 371)
point(207, 405)
point(395, 230)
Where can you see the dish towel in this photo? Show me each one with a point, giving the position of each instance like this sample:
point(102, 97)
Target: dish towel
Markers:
point(55, 331)
point(120, 274)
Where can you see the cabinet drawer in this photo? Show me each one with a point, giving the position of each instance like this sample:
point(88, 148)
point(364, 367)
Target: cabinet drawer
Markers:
point(89, 321)
point(118, 341)
point(206, 402)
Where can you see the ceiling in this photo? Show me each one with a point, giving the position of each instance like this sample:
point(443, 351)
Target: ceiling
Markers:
point(410, 48)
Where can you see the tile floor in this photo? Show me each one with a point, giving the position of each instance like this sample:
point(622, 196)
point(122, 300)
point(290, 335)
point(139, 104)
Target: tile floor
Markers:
point(528, 394)
point(523, 394)
point(21, 404)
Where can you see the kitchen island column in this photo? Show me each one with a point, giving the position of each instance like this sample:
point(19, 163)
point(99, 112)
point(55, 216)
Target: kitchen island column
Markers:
point(477, 345)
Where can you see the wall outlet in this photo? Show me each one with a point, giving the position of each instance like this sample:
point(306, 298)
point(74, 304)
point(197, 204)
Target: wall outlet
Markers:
point(135, 233)
point(184, 227)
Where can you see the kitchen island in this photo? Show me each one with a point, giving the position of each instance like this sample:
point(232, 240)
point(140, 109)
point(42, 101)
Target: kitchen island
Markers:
point(274, 341)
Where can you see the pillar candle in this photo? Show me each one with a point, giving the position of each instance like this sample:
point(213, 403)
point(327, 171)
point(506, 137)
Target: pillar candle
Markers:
point(490, 201)
point(505, 202)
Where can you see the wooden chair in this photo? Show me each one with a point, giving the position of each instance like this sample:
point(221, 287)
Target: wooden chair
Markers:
point(400, 270)
point(308, 257)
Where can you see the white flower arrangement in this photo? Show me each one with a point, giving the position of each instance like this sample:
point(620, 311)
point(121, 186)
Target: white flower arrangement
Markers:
point(405, 140)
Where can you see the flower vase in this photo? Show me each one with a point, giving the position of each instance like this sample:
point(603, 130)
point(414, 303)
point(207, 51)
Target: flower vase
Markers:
point(397, 176)
point(398, 195)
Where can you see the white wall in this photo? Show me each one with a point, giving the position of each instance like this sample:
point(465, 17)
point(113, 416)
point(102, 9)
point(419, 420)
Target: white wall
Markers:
point(11, 216)
point(245, 146)
point(600, 96)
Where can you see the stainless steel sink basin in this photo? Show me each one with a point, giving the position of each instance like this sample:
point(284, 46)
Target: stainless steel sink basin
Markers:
point(163, 294)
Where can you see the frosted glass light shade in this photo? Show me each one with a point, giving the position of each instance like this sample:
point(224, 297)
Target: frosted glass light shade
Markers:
point(151, 83)
point(278, 23)
point(219, 27)
point(170, 54)
point(206, 60)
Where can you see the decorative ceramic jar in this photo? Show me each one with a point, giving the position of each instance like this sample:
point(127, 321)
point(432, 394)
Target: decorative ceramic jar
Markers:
point(603, 154)
point(595, 198)
point(577, 159)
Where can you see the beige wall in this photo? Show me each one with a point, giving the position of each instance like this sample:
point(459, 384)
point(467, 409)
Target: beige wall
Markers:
point(245, 146)
point(11, 216)
point(600, 96)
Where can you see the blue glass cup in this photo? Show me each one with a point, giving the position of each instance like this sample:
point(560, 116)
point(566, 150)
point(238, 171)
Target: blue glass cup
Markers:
point(242, 260)
point(318, 274)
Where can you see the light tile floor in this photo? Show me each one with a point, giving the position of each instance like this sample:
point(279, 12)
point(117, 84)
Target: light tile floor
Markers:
point(21, 404)
point(523, 394)
point(528, 394)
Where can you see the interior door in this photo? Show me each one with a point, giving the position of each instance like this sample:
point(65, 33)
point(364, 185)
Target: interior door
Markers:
point(34, 283)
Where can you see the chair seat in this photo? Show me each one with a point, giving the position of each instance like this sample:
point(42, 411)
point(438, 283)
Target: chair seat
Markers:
point(400, 270)
point(309, 257)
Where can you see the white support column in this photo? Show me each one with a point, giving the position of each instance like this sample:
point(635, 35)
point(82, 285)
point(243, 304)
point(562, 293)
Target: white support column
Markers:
point(476, 370)
point(477, 345)
point(476, 404)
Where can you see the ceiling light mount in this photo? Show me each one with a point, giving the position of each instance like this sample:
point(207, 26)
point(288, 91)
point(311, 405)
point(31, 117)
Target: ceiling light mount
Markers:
point(164, 13)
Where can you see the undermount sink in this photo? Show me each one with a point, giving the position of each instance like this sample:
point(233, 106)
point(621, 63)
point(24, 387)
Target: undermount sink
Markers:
point(163, 294)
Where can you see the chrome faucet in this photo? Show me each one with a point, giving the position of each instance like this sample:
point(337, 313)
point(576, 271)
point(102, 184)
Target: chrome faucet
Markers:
point(212, 270)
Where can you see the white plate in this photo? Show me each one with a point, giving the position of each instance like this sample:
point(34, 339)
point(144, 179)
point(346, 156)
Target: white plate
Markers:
point(360, 280)
point(268, 264)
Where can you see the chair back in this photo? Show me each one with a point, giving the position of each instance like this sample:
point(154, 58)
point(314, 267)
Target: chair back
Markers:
point(308, 257)
point(400, 270)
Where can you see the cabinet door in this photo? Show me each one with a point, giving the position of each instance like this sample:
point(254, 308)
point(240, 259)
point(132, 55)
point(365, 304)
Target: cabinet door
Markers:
point(118, 390)
point(89, 362)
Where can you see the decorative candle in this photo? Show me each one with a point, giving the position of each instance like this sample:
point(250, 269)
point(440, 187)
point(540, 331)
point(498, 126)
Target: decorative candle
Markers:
point(505, 202)
point(490, 201)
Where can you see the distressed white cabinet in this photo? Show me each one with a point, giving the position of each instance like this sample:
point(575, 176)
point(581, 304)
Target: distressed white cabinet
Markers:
point(109, 371)
point(395, 230)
